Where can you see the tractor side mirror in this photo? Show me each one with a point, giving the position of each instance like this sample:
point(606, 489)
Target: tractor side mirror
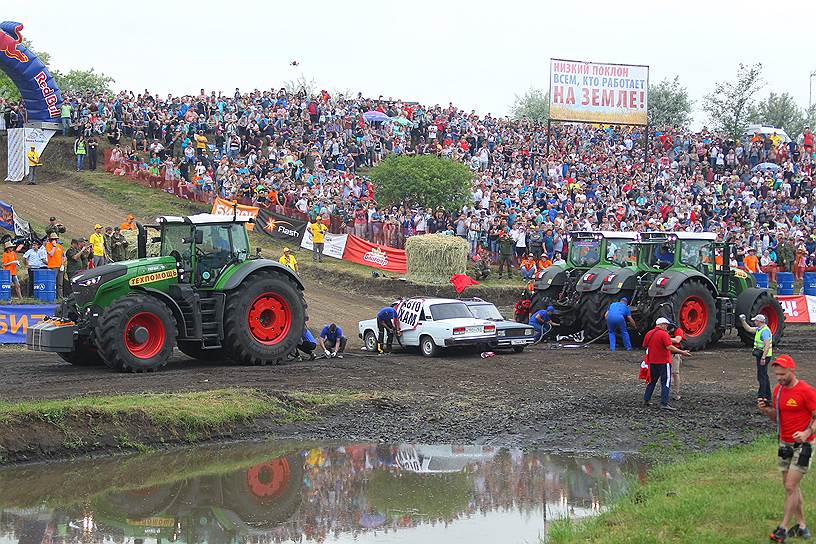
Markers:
point(199, 237)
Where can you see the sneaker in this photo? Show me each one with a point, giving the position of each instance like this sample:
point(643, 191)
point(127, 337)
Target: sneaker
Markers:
point(668, 407)
point(801, 532)
point(339, 355)
point(779, 535)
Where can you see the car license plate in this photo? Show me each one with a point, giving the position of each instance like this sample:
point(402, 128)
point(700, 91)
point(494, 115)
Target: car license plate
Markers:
point(517, 342)
point(474, 329)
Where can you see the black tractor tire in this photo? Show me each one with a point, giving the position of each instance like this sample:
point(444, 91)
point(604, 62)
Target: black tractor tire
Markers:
point(193, 349)
point(262, 303)
point(694, 310)
point(542, 298)
point(84, 355)
point(591, 310)
point(775, 317)
point(131, 315)
point(266, 494)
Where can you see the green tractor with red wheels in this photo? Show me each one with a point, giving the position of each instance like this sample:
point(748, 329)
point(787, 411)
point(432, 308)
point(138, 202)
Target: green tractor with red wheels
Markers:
point(687, 278)
point(203, 293)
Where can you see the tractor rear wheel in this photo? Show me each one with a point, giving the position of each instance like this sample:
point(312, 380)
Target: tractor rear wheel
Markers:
point(768, 306)
point(695, 313)
point(136, 333)
point(268, 493)
point(591, 310)
point(194, 350)
point(264, 319)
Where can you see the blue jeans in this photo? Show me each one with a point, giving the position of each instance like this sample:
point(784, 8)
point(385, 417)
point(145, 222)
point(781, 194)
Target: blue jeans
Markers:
point(66, 125)
point(662, 373)
point(80, 161)
point(541, 330)
point(618, 326)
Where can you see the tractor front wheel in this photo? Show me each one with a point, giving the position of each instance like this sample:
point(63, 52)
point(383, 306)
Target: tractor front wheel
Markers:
point(264, 319)
point(136, 333)
point(84, 355)
point(695, 313)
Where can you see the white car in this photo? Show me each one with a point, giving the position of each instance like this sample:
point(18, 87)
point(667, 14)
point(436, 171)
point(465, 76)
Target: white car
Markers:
point(432, 324)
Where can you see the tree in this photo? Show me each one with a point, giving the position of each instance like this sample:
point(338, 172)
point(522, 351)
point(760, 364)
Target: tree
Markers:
point(533, 105)
point(424, 180)
point(669, 104)
point(294, 86)
point(730, 105)
point(781, 111)
point(84, 81)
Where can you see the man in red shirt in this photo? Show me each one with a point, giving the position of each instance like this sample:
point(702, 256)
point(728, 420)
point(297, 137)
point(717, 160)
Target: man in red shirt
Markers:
point(794, 411)
point(659, 348)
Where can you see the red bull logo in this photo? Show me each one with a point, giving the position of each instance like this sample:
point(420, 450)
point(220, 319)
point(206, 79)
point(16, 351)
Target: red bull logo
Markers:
point(10, 44)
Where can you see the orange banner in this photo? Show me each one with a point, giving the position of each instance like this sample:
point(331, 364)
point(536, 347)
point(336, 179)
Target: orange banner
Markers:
point(225, 207)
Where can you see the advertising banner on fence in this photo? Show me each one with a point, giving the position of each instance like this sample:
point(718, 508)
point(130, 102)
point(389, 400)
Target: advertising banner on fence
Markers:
point(334, 245)
point(225, 207)
point(6, 216)
point(598, 93)
point(281, 227)
point(15, 320)
point(383, 257)
point(798, 308)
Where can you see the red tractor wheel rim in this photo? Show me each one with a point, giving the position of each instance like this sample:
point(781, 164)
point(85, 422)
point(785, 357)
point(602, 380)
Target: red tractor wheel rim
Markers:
point(268, 480)
point(771, 317)
point(270, 318)
point(155, 335)
point(693, 316)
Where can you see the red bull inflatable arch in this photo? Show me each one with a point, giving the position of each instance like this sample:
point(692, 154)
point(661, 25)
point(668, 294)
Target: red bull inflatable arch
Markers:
point(41, 96)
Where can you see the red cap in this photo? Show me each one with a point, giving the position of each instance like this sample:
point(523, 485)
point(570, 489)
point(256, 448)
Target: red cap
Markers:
point(785, 361)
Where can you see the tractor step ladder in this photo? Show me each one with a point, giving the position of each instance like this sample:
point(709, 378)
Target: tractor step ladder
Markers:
point(725, 313)
point(211, 311)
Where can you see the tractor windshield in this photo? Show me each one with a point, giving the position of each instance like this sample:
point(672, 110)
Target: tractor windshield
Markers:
point(696, 253)
point(619, 251)
point(585, 253)
point(220, 245)
point(658, 255)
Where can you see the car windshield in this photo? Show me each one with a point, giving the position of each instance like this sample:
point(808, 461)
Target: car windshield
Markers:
point(585, 253)
point(619, 251)
point(485, 311)
point(450, 310)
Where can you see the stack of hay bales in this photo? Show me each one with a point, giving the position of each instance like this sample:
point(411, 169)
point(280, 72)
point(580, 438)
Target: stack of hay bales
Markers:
point(131, 236)
point(434, 258)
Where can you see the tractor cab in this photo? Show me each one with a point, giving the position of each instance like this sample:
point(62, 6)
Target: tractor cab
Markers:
point(203, 245)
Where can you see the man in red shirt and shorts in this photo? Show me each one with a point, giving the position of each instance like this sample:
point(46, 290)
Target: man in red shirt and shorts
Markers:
point(794, 411)
point(659, 348)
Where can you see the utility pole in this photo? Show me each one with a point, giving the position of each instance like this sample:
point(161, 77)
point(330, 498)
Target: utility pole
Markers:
point(810, 90)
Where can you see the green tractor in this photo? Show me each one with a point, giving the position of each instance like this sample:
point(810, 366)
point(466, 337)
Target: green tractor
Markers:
point(204, 293)
point(574, 289)
point(687, 278)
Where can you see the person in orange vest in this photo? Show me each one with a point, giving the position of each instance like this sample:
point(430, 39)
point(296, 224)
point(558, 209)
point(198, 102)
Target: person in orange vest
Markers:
point(56, 259)
point(129, 224)
point(10, 262)
point(751, 261)
point(527, 268)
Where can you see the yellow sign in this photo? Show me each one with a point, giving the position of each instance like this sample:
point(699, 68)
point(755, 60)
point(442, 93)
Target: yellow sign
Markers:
point(155, 276)
point(739, 273)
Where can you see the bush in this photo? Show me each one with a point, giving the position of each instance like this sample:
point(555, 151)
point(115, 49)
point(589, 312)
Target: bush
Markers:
point(434, 258)
point(423, 180)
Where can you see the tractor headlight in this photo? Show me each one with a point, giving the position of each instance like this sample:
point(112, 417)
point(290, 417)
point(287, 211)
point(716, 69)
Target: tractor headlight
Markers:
point(501, 333)
point(90, 281)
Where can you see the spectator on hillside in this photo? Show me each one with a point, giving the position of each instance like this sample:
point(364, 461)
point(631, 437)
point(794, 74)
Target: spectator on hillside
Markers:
point(97, 241)
point(76, 261)
point(36, 258)
point(80, 150)
point(33, 164)
point(56, 260)
point(288, 259)
point(118, 245)
point(10, 264)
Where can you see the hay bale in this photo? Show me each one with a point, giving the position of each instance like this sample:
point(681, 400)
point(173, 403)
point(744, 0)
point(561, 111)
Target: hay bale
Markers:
point(434, 258)
point(131, 236)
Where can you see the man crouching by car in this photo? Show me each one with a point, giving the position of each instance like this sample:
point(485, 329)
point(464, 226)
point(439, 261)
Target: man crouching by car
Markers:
point(794, 410)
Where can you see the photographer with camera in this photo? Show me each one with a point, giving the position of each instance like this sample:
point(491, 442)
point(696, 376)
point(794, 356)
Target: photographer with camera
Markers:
point(762, 352)
point(54, 227)
point(793, 408)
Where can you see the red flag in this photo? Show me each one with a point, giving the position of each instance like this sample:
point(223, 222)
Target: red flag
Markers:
point(645, 372)
point(461, 281)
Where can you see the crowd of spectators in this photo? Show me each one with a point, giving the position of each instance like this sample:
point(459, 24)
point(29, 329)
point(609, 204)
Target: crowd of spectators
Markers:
point(302, 154)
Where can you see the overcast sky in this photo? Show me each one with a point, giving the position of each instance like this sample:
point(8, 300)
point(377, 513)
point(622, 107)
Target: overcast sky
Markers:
point(477, 54)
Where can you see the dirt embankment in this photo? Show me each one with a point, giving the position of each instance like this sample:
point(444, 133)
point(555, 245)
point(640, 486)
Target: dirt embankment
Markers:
point(561, 399)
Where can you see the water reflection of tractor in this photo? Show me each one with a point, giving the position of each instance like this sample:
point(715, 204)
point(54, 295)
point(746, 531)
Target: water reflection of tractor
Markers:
point(212, 508)
point(687, 277)
point(574, 289)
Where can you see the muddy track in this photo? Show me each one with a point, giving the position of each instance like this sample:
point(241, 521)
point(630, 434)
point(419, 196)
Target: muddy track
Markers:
point(585, 399)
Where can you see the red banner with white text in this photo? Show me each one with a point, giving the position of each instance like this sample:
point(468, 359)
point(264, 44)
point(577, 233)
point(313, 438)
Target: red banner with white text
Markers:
point(383, 257)
point(798, 308)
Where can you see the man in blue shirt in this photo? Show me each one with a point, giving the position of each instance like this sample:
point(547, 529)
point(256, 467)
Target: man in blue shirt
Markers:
point(387, 321)
point(333, 341)
point(307, 344)
point(616, 317)
point(542, 322)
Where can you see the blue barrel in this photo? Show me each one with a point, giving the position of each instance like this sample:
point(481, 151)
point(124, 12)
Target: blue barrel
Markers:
point(761, 280)
point(45, 284)
point(5, 285)
point(784, 283)
point(810, 283)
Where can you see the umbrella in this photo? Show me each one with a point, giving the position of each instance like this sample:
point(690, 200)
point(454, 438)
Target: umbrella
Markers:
point(401, 120)
point(766, 166)
point(374, 116)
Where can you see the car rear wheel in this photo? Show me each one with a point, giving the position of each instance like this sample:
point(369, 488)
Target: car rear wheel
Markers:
point(428, 346)
point(370, 341)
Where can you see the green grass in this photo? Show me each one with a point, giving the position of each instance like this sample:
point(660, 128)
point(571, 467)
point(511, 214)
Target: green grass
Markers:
point(733, 495)
point(194, 411)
